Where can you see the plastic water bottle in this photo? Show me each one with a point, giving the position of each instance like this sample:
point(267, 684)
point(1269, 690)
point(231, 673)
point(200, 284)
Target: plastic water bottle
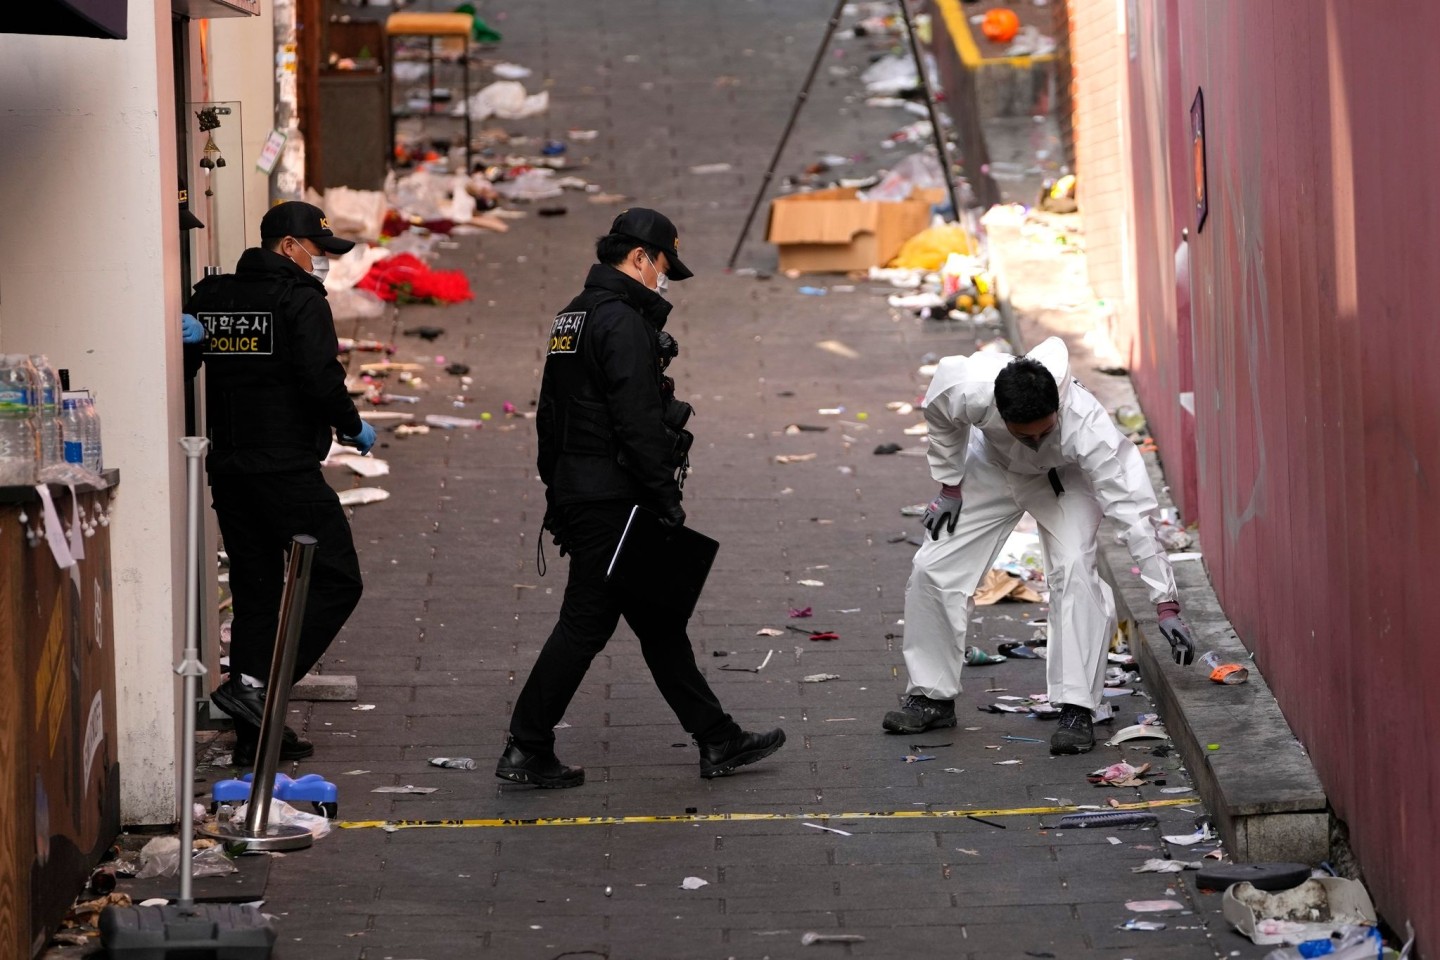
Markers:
point(72, 429)
point(94, 459)
point(1222, 670)
point(19, 438)
point(52, 450)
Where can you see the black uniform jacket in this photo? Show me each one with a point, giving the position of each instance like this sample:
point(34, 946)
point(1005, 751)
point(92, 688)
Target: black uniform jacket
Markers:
point(273, 385)
point(602, 436)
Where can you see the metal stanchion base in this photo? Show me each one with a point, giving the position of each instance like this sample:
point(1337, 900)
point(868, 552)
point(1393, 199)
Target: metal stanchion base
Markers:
point(278, 836)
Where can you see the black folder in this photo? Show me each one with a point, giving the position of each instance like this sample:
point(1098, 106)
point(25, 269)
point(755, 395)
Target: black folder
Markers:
point(664, 565)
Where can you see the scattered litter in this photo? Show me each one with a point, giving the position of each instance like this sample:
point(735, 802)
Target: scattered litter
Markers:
point(1153, 906)
point(1134, 924)
point(354, 773)
point(1120, 775)
point(1177, 789)
point(794, 457)
point(1178, 557)
point(811, 583)
point(812, 937)
point(812, 291)
point(797, 613)
point(816, 826)
point(1120, 819)
point(838, 348)
point(768, 655)
point(1007, 763)
point(967, 852)
point(357, 496)
point(976, 657)
point(453, 763)
point(1203, 834)
point(1316, 909)
point(411, 430)
point(1022, 739)
point(363, 706)
point(1160, 865)
point(405, 789)
point(820, 677)
point(917, 757)
point(704, 168)
point(1114, 841)
point(885, 449)
point(452, 423)
point(999, 585)
point(769, 631)
point(367, 467)
point(988, 823)
point(694, 883)
point(510, 71)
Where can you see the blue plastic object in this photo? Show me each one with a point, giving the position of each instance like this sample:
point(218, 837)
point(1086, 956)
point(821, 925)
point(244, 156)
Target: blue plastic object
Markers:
point(312, 788)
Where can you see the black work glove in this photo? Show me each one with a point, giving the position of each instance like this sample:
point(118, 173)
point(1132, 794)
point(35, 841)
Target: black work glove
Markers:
point(672, 515)
point(1174, 630)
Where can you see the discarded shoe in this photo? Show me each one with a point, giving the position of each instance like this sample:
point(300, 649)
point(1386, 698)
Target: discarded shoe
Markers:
point(1076, 733)
point(918, 714)
point(976, 657)
point(719, 759)
point(244, 704)
point(292, 746)
point(538, 769)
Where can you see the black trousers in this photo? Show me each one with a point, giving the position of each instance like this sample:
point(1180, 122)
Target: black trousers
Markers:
point(259, 513)
point(589, 615)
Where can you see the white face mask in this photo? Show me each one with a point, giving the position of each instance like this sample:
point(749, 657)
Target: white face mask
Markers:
point(662, 282)
point(319, 264)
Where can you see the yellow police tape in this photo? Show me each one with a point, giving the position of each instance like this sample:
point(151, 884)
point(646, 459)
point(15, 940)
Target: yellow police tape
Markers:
point(751, 817)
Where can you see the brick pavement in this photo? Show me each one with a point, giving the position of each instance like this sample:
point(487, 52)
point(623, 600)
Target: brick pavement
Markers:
point(454, 613)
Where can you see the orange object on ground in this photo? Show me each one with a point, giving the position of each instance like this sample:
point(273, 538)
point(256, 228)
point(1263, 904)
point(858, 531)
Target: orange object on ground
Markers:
point(1000, 25)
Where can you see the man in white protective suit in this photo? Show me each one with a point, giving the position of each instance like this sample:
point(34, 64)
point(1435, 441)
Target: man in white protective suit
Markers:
point(1010, 435)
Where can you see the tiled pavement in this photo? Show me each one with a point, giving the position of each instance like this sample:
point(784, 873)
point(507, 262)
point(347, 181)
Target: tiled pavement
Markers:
point(454, 612)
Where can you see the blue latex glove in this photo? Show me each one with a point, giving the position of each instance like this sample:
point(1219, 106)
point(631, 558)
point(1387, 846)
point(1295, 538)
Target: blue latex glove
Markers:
point(191, 330)
point(362, 442)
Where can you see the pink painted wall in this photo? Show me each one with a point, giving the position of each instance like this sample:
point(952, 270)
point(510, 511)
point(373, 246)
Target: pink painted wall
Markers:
point(1316, 343)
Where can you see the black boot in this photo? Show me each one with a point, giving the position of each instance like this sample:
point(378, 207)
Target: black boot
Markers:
point(918, 714)
point(540, 769)
point(718, 759)
point(1076, 733)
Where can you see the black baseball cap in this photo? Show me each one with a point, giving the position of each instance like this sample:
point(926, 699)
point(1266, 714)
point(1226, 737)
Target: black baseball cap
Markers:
point(653, 229)
point(304, 221)
point(188, 220)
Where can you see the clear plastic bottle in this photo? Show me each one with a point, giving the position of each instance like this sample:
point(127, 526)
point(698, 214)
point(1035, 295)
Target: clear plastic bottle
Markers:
point(19, 436)
point(94, 452)
point(1222, 670)
point(52, 449)
point(72, 429)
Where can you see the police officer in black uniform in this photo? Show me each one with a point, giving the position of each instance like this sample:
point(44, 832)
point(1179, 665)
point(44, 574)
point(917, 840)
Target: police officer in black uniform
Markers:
point(612, 435)
point(274, 390)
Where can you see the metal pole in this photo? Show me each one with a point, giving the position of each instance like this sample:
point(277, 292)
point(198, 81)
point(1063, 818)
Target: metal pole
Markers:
point(190, 666)
point(277, 694)
point(789, 126)
point(938, 131)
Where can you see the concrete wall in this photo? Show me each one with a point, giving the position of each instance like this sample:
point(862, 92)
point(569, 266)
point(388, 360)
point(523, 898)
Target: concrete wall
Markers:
point(1317, 408)
point(89, 276)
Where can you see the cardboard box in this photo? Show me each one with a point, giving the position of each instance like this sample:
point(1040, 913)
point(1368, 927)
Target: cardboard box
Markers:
point(833, 231)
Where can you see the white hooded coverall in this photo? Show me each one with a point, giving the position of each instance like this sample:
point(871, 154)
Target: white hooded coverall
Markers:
point(1103, 475)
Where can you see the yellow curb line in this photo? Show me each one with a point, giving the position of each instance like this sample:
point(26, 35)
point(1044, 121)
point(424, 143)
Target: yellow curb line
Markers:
point(748, 817)
point(958, 26)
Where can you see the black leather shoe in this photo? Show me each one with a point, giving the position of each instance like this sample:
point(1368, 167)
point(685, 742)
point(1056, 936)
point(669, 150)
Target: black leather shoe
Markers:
point(538, 769)
point(243, 703)
point(292, 747)
point(718, 759)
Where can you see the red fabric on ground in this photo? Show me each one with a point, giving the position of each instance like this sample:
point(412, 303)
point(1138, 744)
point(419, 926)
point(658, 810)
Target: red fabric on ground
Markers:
point(405, 278)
